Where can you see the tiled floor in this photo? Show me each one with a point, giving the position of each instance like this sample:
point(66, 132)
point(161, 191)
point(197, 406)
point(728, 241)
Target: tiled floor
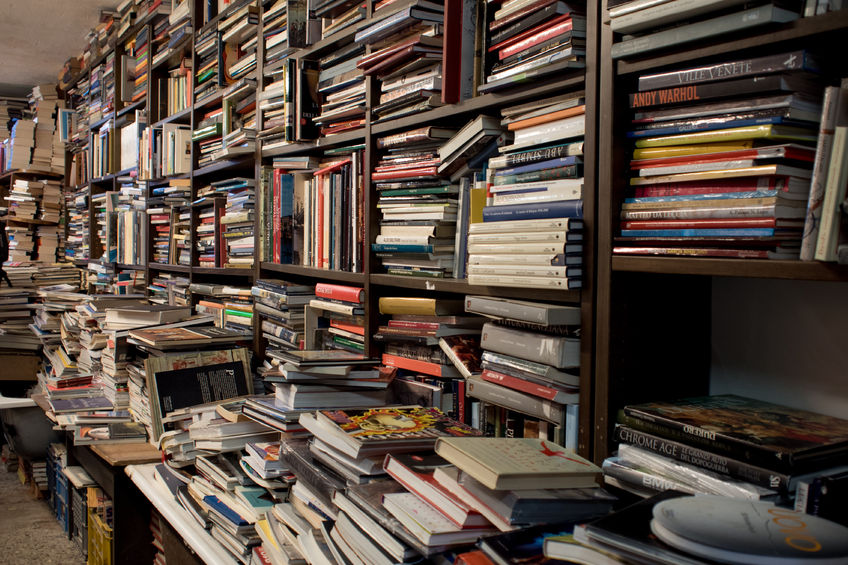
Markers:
point(29, 532)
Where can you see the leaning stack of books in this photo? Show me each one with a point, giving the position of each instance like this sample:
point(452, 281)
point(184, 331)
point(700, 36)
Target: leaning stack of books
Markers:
point(239, 32)
point(727, 445)
point(338, 16)
point(531, 232)
point(419, 210)
point(338, 100)
point(645, 27)
point(275, 33)
point(343, 309)
point(531, 352)
point(723, 159)
point(531, 39)
point(406, 56)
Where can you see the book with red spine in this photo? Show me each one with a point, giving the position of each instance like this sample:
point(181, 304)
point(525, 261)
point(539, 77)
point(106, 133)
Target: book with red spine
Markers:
point(405, 173)
point(353, 328)
point(415, 472)
point(549, 30)
point(715, 186)
point(426, 367)
point(560, 395)
point(344, 293)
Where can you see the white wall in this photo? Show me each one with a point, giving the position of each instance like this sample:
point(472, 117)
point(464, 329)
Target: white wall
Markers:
point(781, 341)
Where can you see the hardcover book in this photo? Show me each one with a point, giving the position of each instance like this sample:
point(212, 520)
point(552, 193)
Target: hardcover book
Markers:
point(518, 463)
point(774, 436)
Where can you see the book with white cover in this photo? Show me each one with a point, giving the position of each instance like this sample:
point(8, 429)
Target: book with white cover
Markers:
point(428, 524)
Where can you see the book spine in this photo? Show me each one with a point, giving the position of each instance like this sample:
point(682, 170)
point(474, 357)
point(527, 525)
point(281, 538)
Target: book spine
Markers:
point(795, 60)
point(534, 389)
point(696, 232)
point(416, 365)
point(529, 312)
point(702, 458)
point(550, 350)
point(562, 209)
point(339, 292)
point(694, 92)
point(515, 400)
point(567, 172)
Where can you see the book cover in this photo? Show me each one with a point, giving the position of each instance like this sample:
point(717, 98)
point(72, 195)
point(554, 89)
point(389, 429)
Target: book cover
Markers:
point(518, 463)
point(774, 436)
point(464, 352)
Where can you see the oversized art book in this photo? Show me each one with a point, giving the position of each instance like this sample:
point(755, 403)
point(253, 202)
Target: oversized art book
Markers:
point(395, 424)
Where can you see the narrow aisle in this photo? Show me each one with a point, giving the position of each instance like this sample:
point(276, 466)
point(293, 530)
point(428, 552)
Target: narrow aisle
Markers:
point(29, 533)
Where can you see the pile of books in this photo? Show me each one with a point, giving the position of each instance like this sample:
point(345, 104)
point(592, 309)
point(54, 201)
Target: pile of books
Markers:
point(165, 206)
point(141, 53)
point(528, 40)
point(711, 445)
point(77, 244)
point(208, 134)
point(275, 34)
point(644, 28)
point(168, 288)
point(530, 360)
point(531, 232)
point(239, 33)
point(16, 316)
point(44, 101)
point(342, 308)
point(338, 16)
point(229, 306)
point(237, 220)
point(434, 347)
point(415, 203)
point(206, 238)
point(19, 154)
point(208, 50)
point(238, 120)
point(726, 171)
point(280, 307)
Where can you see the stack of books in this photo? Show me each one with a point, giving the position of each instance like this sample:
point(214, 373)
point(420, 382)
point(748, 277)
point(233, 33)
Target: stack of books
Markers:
point(208, 50)
point(338, 16)
point(207, 239)
point(406, 40)
point(280, 306)
point(95, 95)
point(336, 90)
point(167, 288)
point(16, 317)
point(239, 33)
point(19, 154)
point(711, 445)
point(179, 30)
point(238, 120)
point(343, 310)
point(726, 171)
point(44, 100)
point(237, 220)
point(529, 40)
point(208, 134)
point(415, 203)
point(77, 244)
point(229, 306)
point(530, 357)
point(275, 34)
point(24, 199)
point(644, 28)
point(141, 53)
point(531, 231)
point(422, 340)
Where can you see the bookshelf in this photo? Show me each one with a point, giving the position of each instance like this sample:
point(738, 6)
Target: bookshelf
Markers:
point(666, 325)
point(645, 319)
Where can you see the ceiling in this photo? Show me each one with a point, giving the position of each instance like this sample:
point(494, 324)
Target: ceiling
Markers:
point(38, 36)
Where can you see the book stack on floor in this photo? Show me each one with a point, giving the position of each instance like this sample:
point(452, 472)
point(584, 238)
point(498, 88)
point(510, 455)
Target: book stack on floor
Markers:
point(530, 40)
point(531, 233)
point(646, 27)
point(673, 527)
point(406, 40)
point(415, 204)
point(430, 373)
point(229, 306)
point(335, 318)
point(726, 170)
point(237, 220)
point(728, 445)
point(280, 307)
point(531, 353)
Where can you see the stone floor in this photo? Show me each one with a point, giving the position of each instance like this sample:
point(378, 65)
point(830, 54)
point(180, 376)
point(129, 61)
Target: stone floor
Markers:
point(29, 532)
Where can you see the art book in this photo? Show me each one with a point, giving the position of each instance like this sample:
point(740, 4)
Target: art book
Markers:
point(518, 463)
point(773, 436)
point(379, 430)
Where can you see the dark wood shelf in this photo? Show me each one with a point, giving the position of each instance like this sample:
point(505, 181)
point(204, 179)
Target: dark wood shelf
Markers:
point(312, 272)
point(100, 122)
point(132, 106)
point(182, 114)
point(224, 165)
point(324, 45)
point(177, 49)
point(29, 172)
point(462, 287)
point(763, 268)
point(228, 271)
point(816, 27)
point(128, 267)
point(169, 268)
point(165, 180)
point(33, 222)
point(487, 102)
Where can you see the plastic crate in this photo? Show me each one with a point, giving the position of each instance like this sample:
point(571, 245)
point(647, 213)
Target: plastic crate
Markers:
point(99, 540)
point(61, 500)
point(79, 528)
